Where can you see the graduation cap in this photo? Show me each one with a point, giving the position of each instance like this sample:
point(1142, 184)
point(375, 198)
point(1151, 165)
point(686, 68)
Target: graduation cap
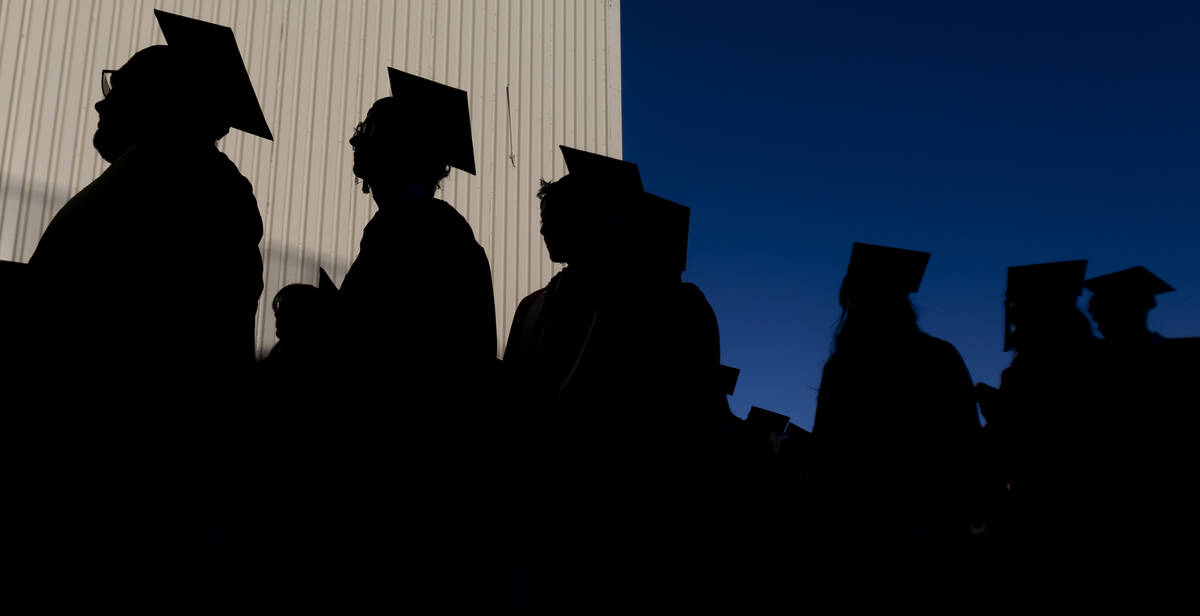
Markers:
point(768, 421)
point(1057, 280)
point(667, 226)
point(613, 175)
point(882, 268)
point(727, 378)
point(1133, 283)
point(442, 108)
point(211, 56)
point(326, 283)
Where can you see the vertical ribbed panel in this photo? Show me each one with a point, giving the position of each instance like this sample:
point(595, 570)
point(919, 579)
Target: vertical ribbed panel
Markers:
point(538, 73)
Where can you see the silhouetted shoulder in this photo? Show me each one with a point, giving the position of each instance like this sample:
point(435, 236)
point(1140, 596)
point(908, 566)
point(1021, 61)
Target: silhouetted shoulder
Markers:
point(692, 293)
point(936, 349)
point(1179, 357)
point(524, 320)
point(218, 194)
point(432, 224)
point(700, 316)
point(418, 230)
point(524, 307)
point(444, 215)
point(1182, 347)
point(234, 183)
point(209, 214)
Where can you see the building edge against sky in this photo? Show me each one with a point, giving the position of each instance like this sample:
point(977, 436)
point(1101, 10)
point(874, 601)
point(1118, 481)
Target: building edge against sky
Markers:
point(537, 73)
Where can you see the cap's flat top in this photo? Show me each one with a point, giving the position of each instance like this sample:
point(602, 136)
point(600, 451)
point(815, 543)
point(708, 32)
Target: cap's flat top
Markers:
point(768, 419)
point(596, 169)
point(445, 108)
point(885, 268)
point(1135, 281)
point(1058, 278)
point(211, 51)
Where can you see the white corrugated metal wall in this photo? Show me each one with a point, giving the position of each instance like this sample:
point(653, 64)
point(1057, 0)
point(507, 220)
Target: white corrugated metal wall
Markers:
point(546, 72)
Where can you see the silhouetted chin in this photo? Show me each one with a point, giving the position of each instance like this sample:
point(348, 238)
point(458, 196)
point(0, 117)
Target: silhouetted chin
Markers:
point(359, 168)
point(108, 148)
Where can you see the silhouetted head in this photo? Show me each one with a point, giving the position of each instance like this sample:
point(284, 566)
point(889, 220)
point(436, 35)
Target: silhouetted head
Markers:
point(1121, 302)
point(394, 147)
point(1040, 306)
point(578, 224)
point(873, 314)
point(300, 312)
point(1045, 325)
point(409, 140)
point(561, 226)
point(1120, 318)
point(589, 215)
point(152, 96)
point(874, 295)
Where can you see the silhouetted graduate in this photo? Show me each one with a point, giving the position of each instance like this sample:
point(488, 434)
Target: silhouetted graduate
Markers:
point(148, 282)
point(581, 216)
point(1138, 358)
point(405, 512)
point(619, 306)
point(1120, 305)
point(895, 425)
point(1046, 427)
point(1147, 380)
point(169, 212)
point(419, 293)
point(615, 365)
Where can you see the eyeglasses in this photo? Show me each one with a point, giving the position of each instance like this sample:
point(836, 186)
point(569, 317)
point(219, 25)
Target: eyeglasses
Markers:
point(106, 81)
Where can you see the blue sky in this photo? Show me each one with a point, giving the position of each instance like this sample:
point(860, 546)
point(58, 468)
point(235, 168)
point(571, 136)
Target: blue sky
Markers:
point(988, 133)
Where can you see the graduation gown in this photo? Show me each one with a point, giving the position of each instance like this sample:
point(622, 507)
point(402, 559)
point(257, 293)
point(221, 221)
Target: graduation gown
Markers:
point(1147, 463)
point(616, 396)
point(894, 430)
point(615, 356)
point(147, 284)
point(158, 257)
point(399, 513)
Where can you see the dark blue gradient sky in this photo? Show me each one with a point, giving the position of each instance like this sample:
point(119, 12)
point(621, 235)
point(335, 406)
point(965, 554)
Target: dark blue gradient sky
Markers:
point(988, 133)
